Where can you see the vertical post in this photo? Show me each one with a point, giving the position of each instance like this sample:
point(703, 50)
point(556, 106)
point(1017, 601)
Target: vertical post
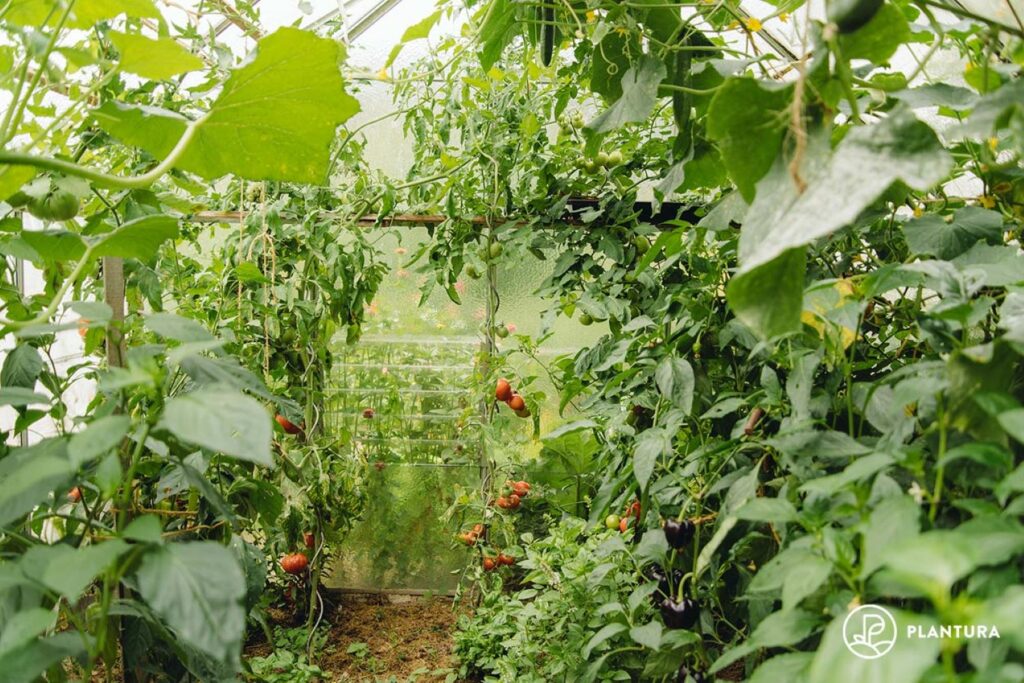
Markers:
point(113, 295)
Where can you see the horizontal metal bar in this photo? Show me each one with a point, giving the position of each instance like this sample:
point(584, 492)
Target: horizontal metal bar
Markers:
point(414, 392)
point(403, 366)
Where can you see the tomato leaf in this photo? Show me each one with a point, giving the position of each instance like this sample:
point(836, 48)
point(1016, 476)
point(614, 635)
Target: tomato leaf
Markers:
point(197, 589)
point(222, 420)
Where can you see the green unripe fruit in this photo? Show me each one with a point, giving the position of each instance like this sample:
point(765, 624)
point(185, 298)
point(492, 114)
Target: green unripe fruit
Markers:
point(601, 159)
point(612, 522)
point(472, 272)
point(58, 205)
point(641, 243)
point(501, 331)
point(496, 250)
point(586, 319)
point(615, 158)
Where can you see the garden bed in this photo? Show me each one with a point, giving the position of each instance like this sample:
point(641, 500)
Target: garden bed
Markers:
point(378, 638)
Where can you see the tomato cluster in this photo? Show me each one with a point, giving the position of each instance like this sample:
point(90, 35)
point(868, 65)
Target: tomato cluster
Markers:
point(512, 494)
point(504, 392)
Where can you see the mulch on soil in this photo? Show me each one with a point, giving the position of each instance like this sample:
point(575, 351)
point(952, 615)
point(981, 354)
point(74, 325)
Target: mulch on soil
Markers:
point(373, 640)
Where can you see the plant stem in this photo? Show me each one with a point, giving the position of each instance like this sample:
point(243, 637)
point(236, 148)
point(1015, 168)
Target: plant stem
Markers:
point(100, 178)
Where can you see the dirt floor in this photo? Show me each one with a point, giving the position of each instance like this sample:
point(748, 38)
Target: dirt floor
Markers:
point(372, 640)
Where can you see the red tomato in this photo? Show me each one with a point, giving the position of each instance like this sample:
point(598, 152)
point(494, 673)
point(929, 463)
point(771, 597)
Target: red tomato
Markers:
point(521, 488)
point(287, 425)
point(295, 563)
point(478, 529)
point(513, 501)
point(517, 403)
point(489, 564)
point(503, 391)
point(308, 539)
point(75, 495)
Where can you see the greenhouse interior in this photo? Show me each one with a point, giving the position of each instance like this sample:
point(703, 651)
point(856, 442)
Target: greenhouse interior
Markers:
point(512, 341)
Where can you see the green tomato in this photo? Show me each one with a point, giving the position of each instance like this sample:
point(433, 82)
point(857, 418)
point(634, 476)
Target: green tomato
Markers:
point(612, 522)
point(629, 277)
point(472, 272)
point(496, 250)
point(601, 159)
point(641, 243)
point(577, 120)
point(586, 319)
point(56, 205)
point(589, 166)
point(501, 331)
point(615, 158)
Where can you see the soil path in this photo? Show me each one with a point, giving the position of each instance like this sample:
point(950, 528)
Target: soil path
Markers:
point(377, 641)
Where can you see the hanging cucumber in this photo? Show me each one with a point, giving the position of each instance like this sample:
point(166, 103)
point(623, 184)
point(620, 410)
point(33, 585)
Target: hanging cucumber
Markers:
point(850, 15)
point(547, 48)
point(682, 101)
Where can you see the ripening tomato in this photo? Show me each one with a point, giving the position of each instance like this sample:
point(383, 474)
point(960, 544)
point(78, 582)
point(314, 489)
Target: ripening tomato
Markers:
point(521, 488)
point(309, 539)
point(513, 501)
point(478, 529)
point(502, 502)
point(506, 560)
point(489, 564)
point(368, 413)
point(623, 524)
point(287, 425)
point(294, 563)
point(517, 403)
point(503, 390)
point(75, 495)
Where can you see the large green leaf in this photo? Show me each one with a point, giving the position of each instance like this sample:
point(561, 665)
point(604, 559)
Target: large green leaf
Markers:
point(675, 380)
point(894, 521)
point(21, 367)
point(98, 438)
point(769, 298)
point(222, 420)
point(274, 119)
point(840, 185)
point(69, 571)
point(84, 14)
point(651, 444)
point(197, 589)
point(878, 39)
point(610, 63)
point(139, 239)
point(639, 95)
point(29, 475)
point(178, 328)
point(156, 58)
point(746, 119)
point(948, 238)
point(791, 668)
point(27, 662)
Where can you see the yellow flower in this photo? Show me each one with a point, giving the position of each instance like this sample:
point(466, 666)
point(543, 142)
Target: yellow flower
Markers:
point(753, 24)
point(784, 17)
point(382, 75)
point(918, 212)
point(988, 201)
point(733, 24)
point(591, 16)
point(993, 142)
point(622, 31)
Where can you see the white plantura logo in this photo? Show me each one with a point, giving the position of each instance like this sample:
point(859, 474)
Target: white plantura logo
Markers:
point(869, 631)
